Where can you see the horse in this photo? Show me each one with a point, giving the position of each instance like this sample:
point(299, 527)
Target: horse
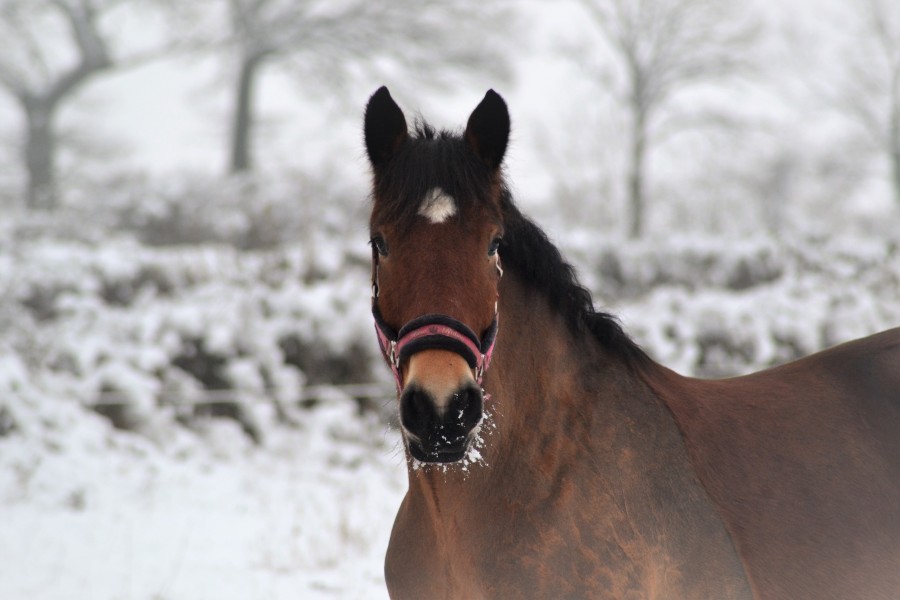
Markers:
point(549, 456)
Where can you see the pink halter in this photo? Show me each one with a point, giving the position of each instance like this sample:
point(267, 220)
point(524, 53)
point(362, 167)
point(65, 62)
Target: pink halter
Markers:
point(434, 331)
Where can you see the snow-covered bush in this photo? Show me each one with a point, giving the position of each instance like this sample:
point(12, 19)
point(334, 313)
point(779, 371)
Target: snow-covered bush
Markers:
point(719, 307)
point(250, 211)
point(141, 330)
point(690, 263)
point(144, 333)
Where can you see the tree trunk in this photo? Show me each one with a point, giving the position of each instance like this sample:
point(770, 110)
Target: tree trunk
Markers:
point(895, 172)
point(242, 118)
point(894, 141)
point(39, 104)
point(636, 199)
point(40, 155)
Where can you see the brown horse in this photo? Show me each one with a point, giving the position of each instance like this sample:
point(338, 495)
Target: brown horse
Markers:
point(549, 457)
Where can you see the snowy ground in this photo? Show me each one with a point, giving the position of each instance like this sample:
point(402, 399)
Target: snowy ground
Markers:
point(93, 513)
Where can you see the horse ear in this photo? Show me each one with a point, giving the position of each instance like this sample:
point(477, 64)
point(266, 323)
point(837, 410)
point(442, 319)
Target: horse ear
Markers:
point(385, 127)
point(487, 131)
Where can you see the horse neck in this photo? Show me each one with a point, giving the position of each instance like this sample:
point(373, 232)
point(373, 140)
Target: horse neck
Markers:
point(555, 397)
point(553, 384)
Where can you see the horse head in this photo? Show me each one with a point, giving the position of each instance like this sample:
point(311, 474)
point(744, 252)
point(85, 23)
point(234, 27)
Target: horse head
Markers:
point(436, 232)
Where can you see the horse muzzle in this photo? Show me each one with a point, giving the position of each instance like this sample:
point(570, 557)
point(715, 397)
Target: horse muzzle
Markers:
point(440, 424)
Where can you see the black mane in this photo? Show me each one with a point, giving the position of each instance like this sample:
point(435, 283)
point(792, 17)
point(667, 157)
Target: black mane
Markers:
point(527, 251)
point(432, 158)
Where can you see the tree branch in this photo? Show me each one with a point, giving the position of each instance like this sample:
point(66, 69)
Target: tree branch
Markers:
point(93, 54)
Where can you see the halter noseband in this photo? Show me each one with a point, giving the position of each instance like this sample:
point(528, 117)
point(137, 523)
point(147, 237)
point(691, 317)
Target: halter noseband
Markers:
point(430, 332)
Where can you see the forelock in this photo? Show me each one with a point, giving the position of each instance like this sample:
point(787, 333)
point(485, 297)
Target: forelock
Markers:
point(431, 159)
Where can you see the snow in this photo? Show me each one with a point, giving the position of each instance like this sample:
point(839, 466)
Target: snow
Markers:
point(175, 508)
point(91, 512)
point(159, 285)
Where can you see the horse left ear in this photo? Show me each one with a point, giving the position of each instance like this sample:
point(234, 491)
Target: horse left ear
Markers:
point(487, 131)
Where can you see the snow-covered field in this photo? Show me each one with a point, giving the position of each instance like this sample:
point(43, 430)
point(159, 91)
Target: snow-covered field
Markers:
point(174, 502)
point(93, 513)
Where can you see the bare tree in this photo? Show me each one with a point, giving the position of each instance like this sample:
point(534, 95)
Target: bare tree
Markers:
point(39, 86)
point(51, 49)
point(868, 89)
point(663, 48)
point(327, 41)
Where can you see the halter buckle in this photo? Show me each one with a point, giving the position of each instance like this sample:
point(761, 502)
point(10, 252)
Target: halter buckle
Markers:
point(479, 370)
point(392, 355)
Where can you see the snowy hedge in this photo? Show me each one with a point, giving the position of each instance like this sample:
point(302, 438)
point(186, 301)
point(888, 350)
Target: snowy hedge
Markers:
point(148, 334)
point(137, 330)
point(719, 307)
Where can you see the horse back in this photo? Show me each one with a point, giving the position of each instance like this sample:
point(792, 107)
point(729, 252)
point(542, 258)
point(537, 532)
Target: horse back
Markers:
point(803, 463)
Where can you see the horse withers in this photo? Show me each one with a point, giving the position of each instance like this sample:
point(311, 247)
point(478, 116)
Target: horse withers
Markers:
point(550, 457)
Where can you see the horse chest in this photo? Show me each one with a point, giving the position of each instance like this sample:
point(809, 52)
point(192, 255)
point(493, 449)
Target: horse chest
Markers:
point(497, 548)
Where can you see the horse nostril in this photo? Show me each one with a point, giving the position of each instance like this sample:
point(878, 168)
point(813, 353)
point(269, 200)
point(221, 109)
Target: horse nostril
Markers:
point(465, 406)
point(416, 409)
point(420, 413)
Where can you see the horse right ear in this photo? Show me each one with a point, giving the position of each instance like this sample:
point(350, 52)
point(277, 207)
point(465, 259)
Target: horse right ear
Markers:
point(385, 127)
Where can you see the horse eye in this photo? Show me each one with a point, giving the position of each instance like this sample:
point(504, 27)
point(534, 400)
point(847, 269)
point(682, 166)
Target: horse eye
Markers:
point(495, 244)
point(379, 244)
